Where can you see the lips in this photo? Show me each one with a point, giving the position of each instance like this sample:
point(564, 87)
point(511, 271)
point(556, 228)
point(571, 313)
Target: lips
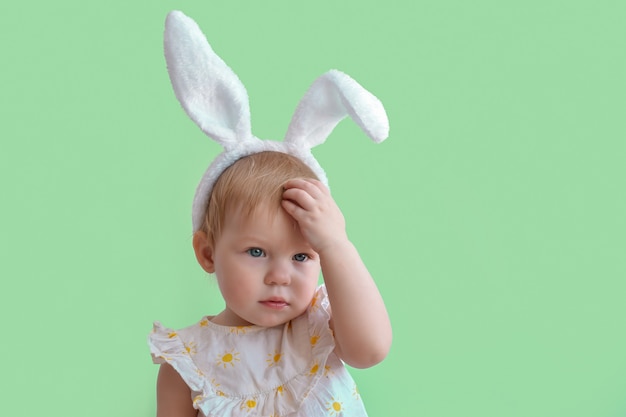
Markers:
point(275, 303)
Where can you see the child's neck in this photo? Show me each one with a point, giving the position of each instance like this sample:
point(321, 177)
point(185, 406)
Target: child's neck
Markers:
point(228, 318)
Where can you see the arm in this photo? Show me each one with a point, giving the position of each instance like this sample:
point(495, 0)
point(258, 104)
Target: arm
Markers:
point(359, 318)
point(173, 395)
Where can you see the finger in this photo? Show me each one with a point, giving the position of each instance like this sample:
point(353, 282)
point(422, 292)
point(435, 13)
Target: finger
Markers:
point(292, 209)
point(314, 187)
point(299, 197)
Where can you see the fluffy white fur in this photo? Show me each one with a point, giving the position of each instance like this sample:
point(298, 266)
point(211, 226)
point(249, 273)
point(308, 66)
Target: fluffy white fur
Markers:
point(217, 102)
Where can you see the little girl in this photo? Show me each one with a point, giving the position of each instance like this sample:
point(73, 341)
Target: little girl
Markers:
point(266, 225)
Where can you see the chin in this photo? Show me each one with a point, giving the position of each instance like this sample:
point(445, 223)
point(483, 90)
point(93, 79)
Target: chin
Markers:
point(276, 321)
point(271, 323)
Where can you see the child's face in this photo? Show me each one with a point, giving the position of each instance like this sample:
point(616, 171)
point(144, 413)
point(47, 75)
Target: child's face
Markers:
point(266, 270)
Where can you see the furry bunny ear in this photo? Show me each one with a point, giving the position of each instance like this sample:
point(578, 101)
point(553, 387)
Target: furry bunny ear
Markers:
point(333, 96)
point(205, 86)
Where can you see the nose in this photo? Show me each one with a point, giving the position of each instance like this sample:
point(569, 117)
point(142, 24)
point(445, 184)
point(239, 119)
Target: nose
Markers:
point(278, 274)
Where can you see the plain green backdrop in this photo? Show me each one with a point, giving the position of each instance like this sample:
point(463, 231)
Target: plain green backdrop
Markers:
point(493, 218)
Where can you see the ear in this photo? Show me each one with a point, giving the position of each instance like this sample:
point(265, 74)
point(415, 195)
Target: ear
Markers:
point(332, 97)
point(204, 251)
point(205, 86)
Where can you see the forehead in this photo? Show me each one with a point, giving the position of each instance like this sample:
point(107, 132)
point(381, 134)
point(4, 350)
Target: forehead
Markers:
point(264, 213)
point(263, 222)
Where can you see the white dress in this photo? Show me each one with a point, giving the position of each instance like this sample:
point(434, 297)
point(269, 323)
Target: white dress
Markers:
point(289, 370)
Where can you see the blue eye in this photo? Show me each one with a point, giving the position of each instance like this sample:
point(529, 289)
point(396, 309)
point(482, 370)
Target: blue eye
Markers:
point(256, 252)
point(300, 257)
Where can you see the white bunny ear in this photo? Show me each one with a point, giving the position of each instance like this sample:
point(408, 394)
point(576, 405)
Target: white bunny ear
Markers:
point(333, 96)
point(205, 86)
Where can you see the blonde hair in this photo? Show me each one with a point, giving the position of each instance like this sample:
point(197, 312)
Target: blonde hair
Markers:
point(251, 182)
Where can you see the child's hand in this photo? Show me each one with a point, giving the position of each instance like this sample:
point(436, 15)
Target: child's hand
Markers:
point(321, 222)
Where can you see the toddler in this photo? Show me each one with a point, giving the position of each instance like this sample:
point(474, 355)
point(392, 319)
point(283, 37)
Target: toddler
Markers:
point(266, 225)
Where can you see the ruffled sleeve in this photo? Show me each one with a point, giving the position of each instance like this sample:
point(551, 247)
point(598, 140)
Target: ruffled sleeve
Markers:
point(166, 346)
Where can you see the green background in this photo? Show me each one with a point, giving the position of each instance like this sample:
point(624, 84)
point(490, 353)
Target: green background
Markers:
point(493, 218)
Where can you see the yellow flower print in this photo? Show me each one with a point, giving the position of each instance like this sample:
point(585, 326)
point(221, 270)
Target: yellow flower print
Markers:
point(190, 348)
point(204, 322)
point(218, 392)
point(335, 407)
point(197, 399)
point(355, 392)
point(314, 369)
point(280, 390)
point(328, 371)
point(172, 335)
point(273, 359)
point(239, 329)
point(314, 306)
point(228, 358)
point(248, 405)
point(314, 339)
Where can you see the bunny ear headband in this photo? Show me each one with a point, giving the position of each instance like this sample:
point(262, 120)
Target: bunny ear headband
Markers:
point(217, 102)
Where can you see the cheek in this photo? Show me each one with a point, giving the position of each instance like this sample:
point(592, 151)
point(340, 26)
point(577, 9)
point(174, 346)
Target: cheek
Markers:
point(234, 291)
point(308, 280)
point(233, 283)
point(313, 272)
